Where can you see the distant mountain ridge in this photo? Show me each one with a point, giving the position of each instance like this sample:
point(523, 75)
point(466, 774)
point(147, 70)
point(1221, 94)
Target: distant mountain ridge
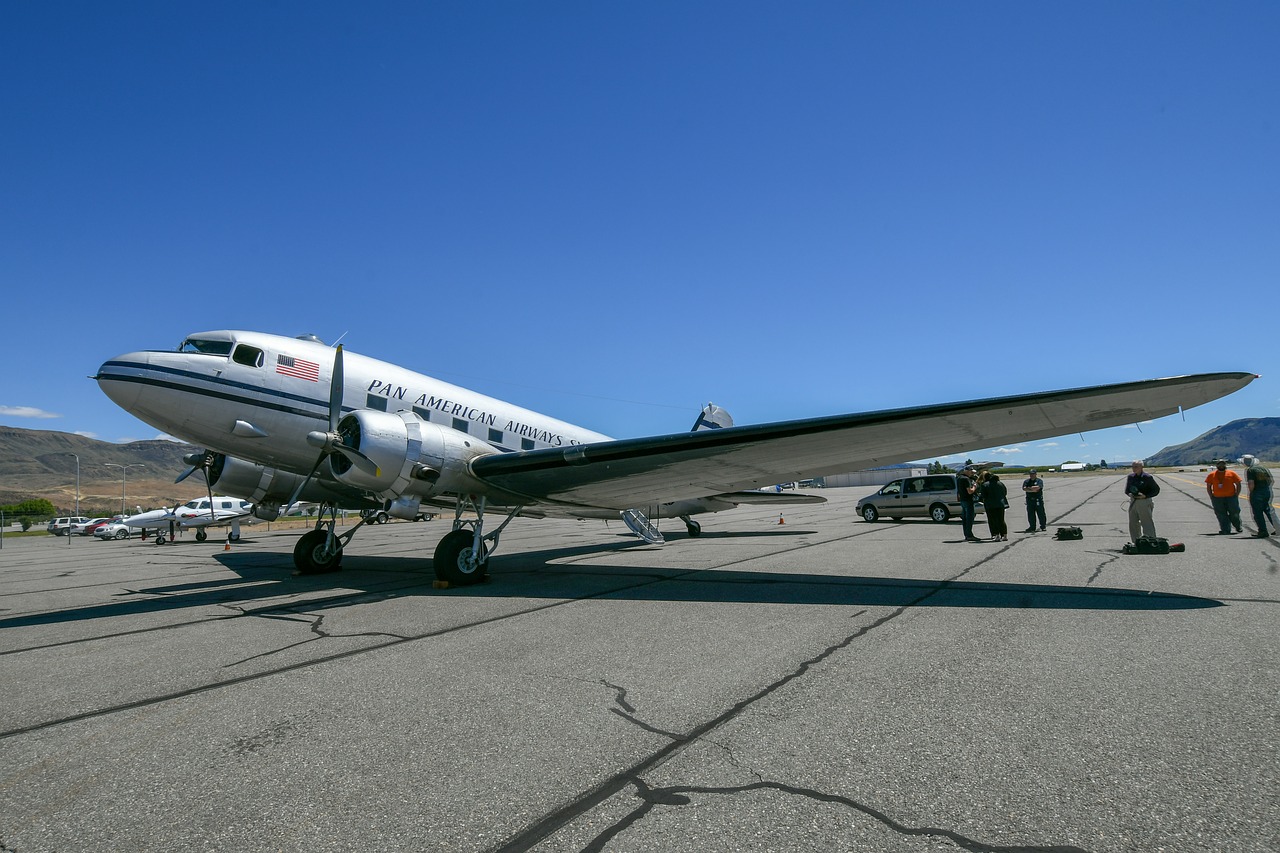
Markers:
point(1259, 436)
point(39, 464)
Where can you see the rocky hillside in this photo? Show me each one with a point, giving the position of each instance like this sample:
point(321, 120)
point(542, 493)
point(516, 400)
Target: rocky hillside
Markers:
point(1259, 436)
point(38, 464)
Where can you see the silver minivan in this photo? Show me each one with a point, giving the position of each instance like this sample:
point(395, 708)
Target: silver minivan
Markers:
point(928, 495)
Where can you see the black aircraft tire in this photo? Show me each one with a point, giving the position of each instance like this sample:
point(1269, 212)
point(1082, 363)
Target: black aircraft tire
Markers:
point(307, 554)
point(449, 563)
point(201, 535)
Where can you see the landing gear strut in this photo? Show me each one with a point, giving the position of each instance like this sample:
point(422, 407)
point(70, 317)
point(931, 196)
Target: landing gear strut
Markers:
point(320, 550)
point(462, 557)
point(694, 528)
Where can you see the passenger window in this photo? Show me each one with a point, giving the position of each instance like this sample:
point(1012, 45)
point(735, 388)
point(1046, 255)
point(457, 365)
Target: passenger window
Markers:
point(495, 435)
point(916, 486)
point(893, 488)
point(248, 356)
point(526, 444)
point(460, 425)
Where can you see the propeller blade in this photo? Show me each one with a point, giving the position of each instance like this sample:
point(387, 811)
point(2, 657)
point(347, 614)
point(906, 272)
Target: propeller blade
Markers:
point(187, 473)
point(293, 498)
point(358, 459)
point(335, 390)
point(330, 442)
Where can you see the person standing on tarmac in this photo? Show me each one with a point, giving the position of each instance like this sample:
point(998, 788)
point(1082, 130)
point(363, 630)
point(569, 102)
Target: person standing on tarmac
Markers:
point(1224, 492)
point(965, 488)
point(1259, 479)
point(1141, 487)
point(1033, 487)
point(995, 500)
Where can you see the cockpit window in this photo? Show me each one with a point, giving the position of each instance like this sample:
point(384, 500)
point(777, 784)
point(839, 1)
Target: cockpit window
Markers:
point(206, 346)
point(248, 356)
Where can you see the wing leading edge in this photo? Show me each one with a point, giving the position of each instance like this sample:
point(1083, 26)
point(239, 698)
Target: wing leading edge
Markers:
point(632, 472)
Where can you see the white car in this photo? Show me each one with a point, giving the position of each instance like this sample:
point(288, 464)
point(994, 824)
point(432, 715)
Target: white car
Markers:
point(114, 530)
point(85, 528)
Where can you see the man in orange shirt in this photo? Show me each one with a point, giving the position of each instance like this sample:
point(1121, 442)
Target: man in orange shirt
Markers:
point(1224, 490)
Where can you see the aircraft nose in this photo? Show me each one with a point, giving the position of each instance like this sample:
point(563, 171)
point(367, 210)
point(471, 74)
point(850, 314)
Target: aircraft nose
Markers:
point(119, 378)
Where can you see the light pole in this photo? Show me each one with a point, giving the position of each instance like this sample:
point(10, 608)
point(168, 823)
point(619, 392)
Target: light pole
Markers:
point(77, 456)
point(124, 477)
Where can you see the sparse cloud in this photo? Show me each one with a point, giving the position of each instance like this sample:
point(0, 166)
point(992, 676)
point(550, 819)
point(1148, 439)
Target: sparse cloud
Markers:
point(26, 412)
point(1049, 444)
point(1007, 450)
point(164, 436)
point(84, 433)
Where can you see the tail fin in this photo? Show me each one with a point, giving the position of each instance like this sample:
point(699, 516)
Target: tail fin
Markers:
point(712, 417)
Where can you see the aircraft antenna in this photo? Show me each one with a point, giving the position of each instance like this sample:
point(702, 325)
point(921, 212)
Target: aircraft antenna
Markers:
point(340, 337)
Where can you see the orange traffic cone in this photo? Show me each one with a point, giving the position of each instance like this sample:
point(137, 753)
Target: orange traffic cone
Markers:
point(781, 520)
point(227, 547)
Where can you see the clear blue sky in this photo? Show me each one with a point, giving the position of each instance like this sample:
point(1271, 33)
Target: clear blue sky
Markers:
point(616, 212)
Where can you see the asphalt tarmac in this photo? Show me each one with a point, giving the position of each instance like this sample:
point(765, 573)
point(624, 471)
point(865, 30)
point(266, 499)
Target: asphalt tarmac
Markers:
point(819, 684)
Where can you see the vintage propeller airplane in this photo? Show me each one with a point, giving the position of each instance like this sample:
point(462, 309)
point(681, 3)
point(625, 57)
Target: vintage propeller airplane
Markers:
point(387, 437)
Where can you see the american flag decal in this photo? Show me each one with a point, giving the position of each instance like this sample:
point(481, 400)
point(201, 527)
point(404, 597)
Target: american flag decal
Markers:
point(298, 368)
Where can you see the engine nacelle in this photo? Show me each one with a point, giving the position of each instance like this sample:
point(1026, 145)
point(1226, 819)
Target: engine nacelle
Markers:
point(413, 456)
point(267, 488)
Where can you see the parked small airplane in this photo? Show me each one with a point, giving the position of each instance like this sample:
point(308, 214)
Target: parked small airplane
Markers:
point(387, 437)
point(193, 515)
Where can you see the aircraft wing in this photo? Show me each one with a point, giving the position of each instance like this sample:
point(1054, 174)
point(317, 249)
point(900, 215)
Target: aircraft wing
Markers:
point(639, 471)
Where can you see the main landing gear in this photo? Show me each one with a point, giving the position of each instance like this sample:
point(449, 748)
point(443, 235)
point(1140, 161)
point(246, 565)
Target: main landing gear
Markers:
point(320, 550)
point(461, 558)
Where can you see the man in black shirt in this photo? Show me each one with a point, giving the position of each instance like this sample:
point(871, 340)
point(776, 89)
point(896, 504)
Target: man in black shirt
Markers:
point(1033, 487)
point(965, 489)
point(1141, 487)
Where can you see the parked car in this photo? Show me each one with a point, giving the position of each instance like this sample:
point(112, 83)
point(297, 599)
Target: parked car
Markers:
point(930, 496)
point(114, 530)
point(62, 526)
point(87, 528)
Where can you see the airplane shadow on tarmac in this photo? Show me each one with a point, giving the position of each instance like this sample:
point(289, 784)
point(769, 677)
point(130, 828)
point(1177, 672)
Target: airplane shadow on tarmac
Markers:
point(533, 575)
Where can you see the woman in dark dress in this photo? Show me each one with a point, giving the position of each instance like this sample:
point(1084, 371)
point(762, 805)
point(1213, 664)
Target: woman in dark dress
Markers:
point(995, 500)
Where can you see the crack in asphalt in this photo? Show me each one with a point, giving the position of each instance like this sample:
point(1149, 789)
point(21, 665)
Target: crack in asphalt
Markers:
point(317, 629)
point(632, 777)
point(677, 795)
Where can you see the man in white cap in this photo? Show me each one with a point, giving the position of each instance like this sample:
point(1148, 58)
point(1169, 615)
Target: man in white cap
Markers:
point(1259, 480)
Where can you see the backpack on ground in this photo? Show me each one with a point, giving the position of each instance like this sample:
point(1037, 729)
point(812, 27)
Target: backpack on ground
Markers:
point(1148, 545)
point(1065, 533)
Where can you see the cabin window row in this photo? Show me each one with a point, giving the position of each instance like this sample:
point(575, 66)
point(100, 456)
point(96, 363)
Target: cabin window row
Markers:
point(495, 436)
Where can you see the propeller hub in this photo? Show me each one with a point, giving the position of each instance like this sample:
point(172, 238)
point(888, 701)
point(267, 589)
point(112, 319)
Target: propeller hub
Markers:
point(320, 440)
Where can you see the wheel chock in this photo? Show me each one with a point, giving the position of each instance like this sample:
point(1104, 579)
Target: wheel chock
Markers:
point(440, 584)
